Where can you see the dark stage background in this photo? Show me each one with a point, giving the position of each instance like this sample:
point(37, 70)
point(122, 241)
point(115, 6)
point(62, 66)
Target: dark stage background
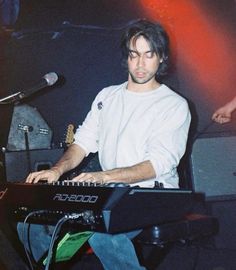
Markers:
point(79, 40)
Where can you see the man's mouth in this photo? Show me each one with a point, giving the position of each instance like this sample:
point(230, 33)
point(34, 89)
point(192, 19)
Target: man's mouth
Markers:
point(140, 74)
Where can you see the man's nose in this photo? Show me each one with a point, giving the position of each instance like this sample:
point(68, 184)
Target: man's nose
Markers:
point(141, 61)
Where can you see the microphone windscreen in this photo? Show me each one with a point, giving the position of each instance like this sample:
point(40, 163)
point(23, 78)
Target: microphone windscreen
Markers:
point(51, 78)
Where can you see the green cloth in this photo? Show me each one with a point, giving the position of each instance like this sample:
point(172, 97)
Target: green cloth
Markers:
point(69, 245)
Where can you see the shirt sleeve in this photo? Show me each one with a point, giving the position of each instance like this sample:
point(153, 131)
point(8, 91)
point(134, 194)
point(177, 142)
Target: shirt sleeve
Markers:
point(86, 134)
point(167, 142)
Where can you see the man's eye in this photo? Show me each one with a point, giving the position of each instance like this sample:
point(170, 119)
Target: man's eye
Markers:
point(149, 54)
point(133, 54)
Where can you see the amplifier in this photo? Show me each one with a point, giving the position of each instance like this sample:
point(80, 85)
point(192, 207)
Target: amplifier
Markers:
point(18, 164)
point(213, 167)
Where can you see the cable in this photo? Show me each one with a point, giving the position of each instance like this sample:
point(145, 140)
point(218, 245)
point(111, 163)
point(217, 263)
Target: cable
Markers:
point(54, 236)
point(95, 27)
point(26, 239)
point(66, 25)
point(53, 239)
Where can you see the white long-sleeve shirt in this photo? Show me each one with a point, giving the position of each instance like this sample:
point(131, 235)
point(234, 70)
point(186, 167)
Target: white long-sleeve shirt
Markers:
point(127, 128)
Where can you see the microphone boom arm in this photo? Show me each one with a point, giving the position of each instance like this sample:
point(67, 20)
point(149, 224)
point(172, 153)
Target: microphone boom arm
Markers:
point(48, 80)
point(10, 99)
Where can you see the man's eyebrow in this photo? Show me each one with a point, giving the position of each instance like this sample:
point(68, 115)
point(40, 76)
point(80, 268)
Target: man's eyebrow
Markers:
point(135, 51)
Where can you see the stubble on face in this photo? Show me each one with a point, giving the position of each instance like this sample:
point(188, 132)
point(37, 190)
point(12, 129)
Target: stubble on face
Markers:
point(142, 80)
point(143, 64)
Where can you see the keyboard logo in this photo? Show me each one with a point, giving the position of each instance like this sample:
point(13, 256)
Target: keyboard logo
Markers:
point(63, 197)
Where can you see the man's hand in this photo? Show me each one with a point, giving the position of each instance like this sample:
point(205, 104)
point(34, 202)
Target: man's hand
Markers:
point(71, 158)
point(91, 177)
point(222, 115)
point(127, 175)
point(50, 176)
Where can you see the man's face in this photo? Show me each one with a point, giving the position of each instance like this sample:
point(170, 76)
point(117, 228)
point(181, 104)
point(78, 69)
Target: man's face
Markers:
point(142, 62)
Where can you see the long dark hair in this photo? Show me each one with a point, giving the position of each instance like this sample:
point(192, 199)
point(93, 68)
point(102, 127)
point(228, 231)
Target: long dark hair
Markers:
point(155, 35)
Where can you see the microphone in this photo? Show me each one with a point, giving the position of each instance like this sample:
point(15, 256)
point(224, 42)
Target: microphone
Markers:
point(48, 80)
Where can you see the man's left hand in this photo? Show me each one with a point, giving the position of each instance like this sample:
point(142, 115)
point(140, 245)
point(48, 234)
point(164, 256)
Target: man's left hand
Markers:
point(91, 177)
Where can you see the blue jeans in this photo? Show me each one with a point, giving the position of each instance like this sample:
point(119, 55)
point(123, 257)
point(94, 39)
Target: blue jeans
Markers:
point(116, 252)
point(39, 237)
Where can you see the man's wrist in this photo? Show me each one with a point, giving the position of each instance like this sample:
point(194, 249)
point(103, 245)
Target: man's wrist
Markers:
point(56, 169)
point(115, 175)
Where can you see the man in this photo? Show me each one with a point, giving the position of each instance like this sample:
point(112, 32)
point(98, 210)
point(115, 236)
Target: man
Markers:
point(138, 128)
point(224, 114)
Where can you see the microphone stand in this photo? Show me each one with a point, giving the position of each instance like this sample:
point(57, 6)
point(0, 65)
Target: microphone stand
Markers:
point(48, 79)
point(26, 130)
point(11, 99)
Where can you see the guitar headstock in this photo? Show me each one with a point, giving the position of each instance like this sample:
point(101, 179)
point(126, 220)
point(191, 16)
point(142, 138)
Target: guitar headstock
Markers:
point(70, 135)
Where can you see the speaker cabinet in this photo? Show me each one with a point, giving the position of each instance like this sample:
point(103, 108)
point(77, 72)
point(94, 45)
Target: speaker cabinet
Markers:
point(213, 167)
point(18, 164)
point(224, 211)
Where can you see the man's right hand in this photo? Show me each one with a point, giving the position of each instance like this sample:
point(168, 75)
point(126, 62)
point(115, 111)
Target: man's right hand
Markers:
point(51, 175)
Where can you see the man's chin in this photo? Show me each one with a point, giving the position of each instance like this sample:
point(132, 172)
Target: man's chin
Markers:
point(140, 81)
